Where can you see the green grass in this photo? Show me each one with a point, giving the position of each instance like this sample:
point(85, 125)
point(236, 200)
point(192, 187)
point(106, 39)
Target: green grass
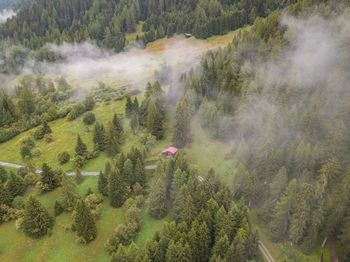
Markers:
point(62, 245)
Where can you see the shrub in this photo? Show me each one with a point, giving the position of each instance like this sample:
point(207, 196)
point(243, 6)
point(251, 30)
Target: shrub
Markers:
point(31, 179)
point(27, 141)
point(39, 133)
point(18, 202)
point(79, 161)
point(19, 224)
point(48, 138)
point(3, 174)
point(76, 111)
point(89, 118)
point(25, 152)
point(63, 157)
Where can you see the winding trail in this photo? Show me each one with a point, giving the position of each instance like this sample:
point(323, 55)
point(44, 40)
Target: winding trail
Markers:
point(38, 171)
point(265, 252)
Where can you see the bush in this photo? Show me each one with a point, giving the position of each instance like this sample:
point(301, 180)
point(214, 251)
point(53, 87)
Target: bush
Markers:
point(19, 224)
point(76, 111)
point(58, 208)
point(18, 202)
point(89, 118)
point(31, 178)
point(27, 141)
point(89, 103)
point(39, 133)
point(63, 157)
point(48, 138)
point(79, 161)
point(25, 152)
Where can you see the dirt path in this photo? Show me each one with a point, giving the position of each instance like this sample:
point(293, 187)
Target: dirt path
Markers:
point(265, 252)
point(38, 171)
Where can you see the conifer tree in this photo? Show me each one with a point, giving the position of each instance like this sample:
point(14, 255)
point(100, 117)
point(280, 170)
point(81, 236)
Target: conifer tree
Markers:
point(36, 219)
point(134, 122)
point(157, 202)
point(49, 178)
point(80, 148)
point(120, 255)
point(139, 172)
point(84, 222)
point(117, 189)
point(129, 107)
point(136, 107)
point(5, 196)
point(117, 125)
point(46, 128)
point(182, 124)
point(58, 208)
point(128, 172)
point(177, 252)
point(200, 240)
point(99, 137)
point(15, 185)
point(112, 146)
point(188, 214)
point(154, 121)
point(180, 202)
point(103, 184)
point(79, 177)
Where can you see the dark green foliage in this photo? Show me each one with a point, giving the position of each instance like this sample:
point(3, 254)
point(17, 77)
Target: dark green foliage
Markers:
point(157, 201)
point(69, 194)
point(80, 148)
point(129, 107)
point(99, 137)
point(26, 103)
point(103, 183)
point(15, 185)
point(50, 179)
point(89, 103)
point(154, 121)
point(182, 124)
point(112, 144)
point(36, 220)
point(117, 189)
point(25, 152)
point(58, 208)
point(117, 123)
point(134, 122)
point(63, 157)
point(89, 118)
point(84, 223)
point(3, 174)
point(5, 196)
point(79, 178)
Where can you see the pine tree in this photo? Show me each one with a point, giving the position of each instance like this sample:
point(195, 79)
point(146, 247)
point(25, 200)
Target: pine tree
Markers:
point(79, 177)
point(15, 185)
point(188, 214)
point(117, 125)
point(136, 107)
point(139, 172)
point(26, 102)
point(84, 222)
point(278, 184)
point(154, 121)
point(134, 122)
point(129, 107)
point(120, 255)
point(112, 145)
point(80, 148)
point(49, 178)
point(117, 189)
point(157, 202)
point(182, 124)
point(103, 184)
point(5, 196)
point(200, 240)
point(46, 128)
point(99, 137)
point(180, 202)
point(128, 172)
point(58, 208)
point(36, 219)
point(177, 252)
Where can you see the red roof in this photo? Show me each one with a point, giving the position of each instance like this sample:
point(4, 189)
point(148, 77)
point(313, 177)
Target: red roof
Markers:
point(172, 150)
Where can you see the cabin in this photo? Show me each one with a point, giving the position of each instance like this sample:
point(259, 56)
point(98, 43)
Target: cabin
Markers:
point(170, 151)
point(187, 35)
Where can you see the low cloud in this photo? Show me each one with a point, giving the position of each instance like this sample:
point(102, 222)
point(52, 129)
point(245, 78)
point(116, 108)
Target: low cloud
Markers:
point(5, 14)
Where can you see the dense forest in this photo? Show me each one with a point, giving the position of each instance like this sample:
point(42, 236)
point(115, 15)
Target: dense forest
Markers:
point(106, 22)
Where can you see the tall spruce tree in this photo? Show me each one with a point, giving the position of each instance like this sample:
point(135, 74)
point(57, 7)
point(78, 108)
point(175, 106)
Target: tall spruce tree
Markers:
point(157, 201)
point(5, 196)
point(80, 148)
point(84, 222)
point(49, 178)
point(99, 138)
point(117, 188)
point(112, 146)
point(36, 219)
point(154, 121)
point(117, 123)
point(129, 107)
point(103, 184)
point(182, 124)
point(69, 193)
